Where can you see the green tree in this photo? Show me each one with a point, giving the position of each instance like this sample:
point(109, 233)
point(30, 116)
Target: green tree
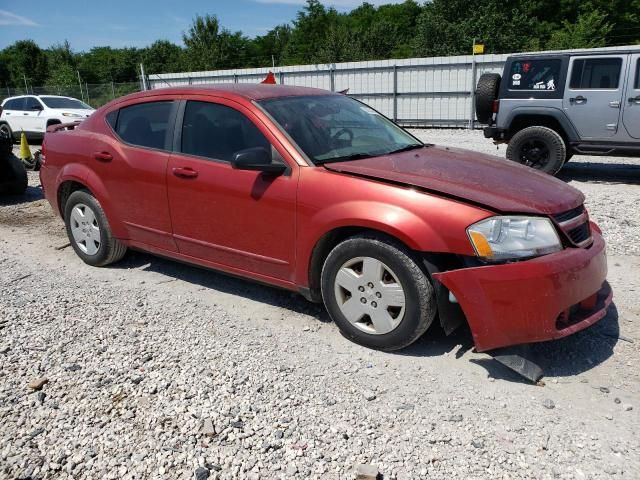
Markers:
point(25, 59)
point(163, 56)
point(589, 31)
point(448, 27)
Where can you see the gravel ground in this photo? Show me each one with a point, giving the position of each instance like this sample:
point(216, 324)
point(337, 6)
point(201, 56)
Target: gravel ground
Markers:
point(159, 370)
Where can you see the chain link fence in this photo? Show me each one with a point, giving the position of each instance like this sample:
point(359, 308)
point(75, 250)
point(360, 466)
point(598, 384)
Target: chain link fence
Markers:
point(95, 94)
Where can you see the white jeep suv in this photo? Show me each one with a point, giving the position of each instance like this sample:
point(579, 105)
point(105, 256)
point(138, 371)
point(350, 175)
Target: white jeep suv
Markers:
point(34, 113)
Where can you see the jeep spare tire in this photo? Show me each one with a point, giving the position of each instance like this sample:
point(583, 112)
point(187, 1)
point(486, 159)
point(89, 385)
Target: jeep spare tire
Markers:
point(486, 94)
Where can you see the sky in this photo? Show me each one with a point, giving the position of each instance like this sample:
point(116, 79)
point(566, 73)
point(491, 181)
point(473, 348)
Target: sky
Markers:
point(138, 23)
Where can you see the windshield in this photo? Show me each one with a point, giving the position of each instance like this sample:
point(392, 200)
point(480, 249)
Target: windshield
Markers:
point(61, 102)
point(334, 128)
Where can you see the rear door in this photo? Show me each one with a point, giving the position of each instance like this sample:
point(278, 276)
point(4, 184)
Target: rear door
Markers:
point(239, 219)
point(12, 113)
point(593, 97)
point(132, 164)
point(631, 101)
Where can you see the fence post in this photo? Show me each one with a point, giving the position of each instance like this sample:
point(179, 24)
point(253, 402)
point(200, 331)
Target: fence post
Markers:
point(474, 69)
point(395, 93)
point(332, 78)
point(281, 75)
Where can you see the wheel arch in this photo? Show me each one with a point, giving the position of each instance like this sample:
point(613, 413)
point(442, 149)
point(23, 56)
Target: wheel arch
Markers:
point(543, 117)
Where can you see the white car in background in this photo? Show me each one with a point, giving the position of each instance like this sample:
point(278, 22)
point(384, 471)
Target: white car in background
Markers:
point(34, 113)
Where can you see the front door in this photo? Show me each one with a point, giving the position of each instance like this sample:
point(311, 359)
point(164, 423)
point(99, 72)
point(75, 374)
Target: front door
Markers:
point(593, 97)
point(631, 100)
point(33, 119)
point(242, 221)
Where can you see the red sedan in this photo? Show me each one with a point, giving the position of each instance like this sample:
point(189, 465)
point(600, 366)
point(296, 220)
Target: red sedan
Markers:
point(318, 193)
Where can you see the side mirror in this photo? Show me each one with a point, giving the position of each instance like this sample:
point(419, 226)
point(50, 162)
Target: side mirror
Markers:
point(37, 108)
point(258, 159)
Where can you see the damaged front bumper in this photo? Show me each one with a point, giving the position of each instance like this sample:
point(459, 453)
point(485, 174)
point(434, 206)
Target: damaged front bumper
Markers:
point(535, 300)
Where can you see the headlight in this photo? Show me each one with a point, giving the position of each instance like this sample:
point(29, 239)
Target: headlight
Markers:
point(513, 237)
point(75, 115)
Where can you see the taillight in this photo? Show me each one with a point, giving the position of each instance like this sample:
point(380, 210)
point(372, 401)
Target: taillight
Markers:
point(496, 106)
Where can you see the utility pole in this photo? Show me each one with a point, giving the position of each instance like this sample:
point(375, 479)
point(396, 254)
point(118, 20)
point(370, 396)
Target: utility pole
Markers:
point(273, 61)
point(473, 87)
point(143, 78)
point(26, 89)
point(80, 85)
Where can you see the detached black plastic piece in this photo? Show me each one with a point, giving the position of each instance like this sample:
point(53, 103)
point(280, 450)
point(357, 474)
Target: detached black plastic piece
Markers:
point(515, 358)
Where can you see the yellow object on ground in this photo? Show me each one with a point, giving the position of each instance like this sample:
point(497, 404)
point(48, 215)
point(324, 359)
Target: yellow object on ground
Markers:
point(25, 151)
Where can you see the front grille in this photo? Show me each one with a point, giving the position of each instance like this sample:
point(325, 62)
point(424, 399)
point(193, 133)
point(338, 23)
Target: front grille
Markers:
point(580, 234)
point(575, 224)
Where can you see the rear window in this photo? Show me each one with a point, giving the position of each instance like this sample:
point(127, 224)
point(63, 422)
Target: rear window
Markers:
point(596, 73)
point(636, 86)
point(145, 124)
point(539, 74)
point(14, 104)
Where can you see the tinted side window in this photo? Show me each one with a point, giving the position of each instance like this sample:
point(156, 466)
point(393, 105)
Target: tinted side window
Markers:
point(15, 104)
point(596, 73)
point(636, 85)
point(32, 103)
point(112, 118)
point(218, 132)
point(543, 74)
point(145, 124)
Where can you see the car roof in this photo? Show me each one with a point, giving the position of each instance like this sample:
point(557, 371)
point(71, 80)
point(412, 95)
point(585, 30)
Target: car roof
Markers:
point(248, 91)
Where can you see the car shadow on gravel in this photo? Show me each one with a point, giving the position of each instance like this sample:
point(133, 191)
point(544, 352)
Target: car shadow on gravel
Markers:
point(565, 357)
point(601, 172)
point(223, 283)
point(32, 194)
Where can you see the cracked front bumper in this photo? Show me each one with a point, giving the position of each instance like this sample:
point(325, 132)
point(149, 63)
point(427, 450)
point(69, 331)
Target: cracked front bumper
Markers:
point(535, 300)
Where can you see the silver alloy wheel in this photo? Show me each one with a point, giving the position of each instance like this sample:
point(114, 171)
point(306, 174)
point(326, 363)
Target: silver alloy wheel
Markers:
point(85, 229)
point(369, 295)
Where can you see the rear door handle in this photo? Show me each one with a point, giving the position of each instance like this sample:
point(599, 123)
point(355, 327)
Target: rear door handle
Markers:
point(185, 172)
point(579, 100)
point(103, 156)
point(635, 100)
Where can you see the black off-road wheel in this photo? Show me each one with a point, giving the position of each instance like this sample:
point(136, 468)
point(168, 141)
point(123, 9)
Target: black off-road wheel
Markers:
point(89, 231)
point(540, 148)
point(376, 292)
point(5, 131)
point(486, 92)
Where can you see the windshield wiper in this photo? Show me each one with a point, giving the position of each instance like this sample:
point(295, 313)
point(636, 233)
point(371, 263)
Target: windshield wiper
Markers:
point(353, 156)
point(406, 148)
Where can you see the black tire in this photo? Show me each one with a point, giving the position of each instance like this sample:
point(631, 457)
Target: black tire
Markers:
point(540, 148)
point(6, 139)
point(486, 92)
point(16, 181)
point(110, 249)
point(420, 303)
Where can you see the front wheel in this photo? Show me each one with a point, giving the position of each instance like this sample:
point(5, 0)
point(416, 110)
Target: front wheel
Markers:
point(89, 232)
point(376, 293)
point(540, 148)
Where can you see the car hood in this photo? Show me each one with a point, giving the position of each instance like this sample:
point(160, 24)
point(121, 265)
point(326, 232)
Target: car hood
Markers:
point(482, 179)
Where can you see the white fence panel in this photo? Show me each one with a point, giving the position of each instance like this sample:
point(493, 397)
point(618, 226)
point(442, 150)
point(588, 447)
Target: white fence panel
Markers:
point(415, 91)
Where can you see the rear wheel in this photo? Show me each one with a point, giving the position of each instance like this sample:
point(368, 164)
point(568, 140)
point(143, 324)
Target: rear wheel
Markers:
point(89, 232)
point(376, 293)
point(5, 130)
point(540, 148)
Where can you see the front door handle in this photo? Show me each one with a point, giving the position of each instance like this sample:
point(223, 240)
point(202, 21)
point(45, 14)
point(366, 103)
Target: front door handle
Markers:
point(185, 172)
point(103, 156)
point(635, 100)
point(615, 104)
point(578, 100)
